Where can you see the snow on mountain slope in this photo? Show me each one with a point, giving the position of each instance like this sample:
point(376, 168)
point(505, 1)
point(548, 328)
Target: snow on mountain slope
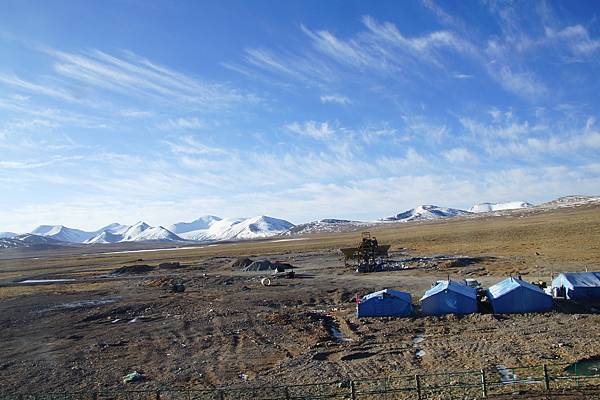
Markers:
point(570, 201)
point(489, 207)
point(327, 225)
point(7, 235)
point(134, 231)
point(140, 232)
point(62, 233)
point(240, 228)
point(156, 233)
point(105, 237)
point(29, 240)
point(426, 212)
point(199, 224)
point(114, 228)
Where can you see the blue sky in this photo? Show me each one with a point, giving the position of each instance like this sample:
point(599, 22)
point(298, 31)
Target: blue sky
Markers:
point(165, 111)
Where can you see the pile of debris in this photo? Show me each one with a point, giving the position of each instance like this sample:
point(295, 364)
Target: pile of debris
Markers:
point(247, 264)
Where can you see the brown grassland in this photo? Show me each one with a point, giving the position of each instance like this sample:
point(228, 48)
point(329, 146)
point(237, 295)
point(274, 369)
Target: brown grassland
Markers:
point(227, 329)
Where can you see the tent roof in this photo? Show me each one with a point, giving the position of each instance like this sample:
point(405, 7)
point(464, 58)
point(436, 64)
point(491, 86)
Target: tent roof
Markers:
point(583, 279)
point(508, 285)
point(388, 292)
point(453, 287)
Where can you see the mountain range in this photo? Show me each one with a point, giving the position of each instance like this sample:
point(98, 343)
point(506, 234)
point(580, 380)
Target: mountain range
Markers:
point(211, 228)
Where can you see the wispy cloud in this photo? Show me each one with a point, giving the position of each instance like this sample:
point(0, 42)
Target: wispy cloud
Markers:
point(130, 75)
point(459, 155)
point(191, 145)
point(192, 123)
point(312, 129)
point(335, 98)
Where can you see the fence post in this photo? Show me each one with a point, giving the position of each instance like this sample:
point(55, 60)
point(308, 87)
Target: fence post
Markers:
point(158, 395)
point(418, 386)
point(352, 390)
point(287, 393)
point(546, 378)
point(95, 395)
point(221, 395)
point(483, 383)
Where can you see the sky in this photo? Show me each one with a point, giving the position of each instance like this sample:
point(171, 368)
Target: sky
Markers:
point(164, 111)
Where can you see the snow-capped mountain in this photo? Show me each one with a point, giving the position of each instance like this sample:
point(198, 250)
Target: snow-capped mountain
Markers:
point(570, 201)
point(62, 233)
point(105, 237)
point(29, 240)
point(489, 207)
point(201, 223)
point(7, 235)
point(156, 233)
point(426, 212)
point(139, 232)
point(240, 228)
point(114, 228)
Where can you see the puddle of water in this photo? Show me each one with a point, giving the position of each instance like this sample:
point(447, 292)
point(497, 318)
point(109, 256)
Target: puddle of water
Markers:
point(420, 353)
point(79, 304)
point(588, 367)
point(46, 280)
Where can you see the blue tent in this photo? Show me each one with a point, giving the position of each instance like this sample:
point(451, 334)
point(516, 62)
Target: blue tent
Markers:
point(516, 296)
point(385, 303)
point(579, 285)
point(449, 297)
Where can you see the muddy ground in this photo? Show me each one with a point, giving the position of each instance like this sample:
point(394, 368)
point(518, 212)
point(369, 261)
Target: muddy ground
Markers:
point(227, 329)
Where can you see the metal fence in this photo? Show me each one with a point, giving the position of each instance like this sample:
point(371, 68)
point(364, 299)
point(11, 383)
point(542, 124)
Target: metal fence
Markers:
point(451, 385)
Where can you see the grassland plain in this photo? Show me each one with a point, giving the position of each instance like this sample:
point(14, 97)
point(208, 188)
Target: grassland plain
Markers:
point(228, 329)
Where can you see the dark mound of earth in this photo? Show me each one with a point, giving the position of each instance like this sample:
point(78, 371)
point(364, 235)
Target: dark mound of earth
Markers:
point(241, 263)
point(133, 269)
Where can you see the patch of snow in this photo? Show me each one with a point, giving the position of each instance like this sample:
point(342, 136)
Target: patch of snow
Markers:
point(489, 207)
point(426, 212)
point(201, 223)
point(240, 228)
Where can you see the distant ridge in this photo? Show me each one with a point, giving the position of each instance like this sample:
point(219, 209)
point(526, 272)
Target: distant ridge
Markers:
point(426, 212)
point(210, 228)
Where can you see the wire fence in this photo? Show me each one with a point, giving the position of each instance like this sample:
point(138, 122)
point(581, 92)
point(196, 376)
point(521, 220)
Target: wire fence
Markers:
point(476, 384)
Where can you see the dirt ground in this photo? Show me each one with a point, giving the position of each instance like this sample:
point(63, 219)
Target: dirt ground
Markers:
point(227, 329)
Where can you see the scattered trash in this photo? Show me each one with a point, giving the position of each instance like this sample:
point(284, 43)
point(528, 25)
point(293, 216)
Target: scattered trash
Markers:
point(243, 376)
point(178, 288)
point(265, 282)
point(133, 377)
point(419, 337)
point(344, 384)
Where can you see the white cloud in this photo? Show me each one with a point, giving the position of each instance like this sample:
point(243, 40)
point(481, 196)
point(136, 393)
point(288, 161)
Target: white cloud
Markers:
point(523, 83)
point(190, 145)
point(183, 123)
point(462, 76)
point(335, 98)
point(576, 38)
point(133, 75)
point(312, 129)
point(459, 155)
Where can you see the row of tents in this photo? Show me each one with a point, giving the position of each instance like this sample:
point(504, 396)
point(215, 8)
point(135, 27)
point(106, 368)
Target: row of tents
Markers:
point(511, 295)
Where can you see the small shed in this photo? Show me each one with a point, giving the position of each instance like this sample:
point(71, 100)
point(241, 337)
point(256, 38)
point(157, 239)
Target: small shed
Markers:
point(449, 297)
point(385, 303)
point(516, 296)
point(578, 285)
